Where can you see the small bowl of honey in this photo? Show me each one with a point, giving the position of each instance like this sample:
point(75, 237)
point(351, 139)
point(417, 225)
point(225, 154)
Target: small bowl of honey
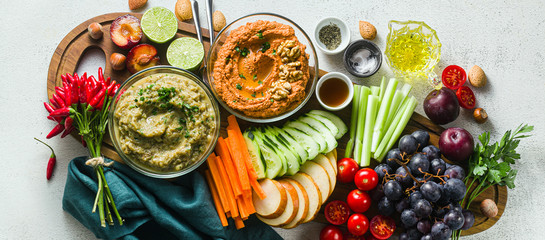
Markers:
point(334, 91)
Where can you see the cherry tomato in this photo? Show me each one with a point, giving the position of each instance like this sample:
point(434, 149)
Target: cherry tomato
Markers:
point(453, 77)
point(337, 212)
point(358, 200)
point(347, 169)
point(382, 227)
point(366, 179)
point(331, 232)
point(466, 98)
point(358, 224)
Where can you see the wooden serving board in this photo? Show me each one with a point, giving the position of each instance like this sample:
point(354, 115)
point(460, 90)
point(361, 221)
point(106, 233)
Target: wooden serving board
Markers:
point(72, 48)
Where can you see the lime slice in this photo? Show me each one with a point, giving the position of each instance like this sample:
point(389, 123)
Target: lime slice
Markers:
point(186, 53)
point(159, 24)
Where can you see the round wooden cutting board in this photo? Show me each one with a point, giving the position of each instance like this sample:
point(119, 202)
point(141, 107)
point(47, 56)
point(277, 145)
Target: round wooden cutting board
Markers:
point(73, 47)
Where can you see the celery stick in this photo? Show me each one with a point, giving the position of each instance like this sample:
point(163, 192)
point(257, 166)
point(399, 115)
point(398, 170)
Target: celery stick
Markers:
point(382, 113)
point(364, 94)
point(375, 91)
point(402, 123)
point(394, 106)
point(386, 138)
point(370, 118)
point(353, 121)
point(382, 87)
point(405, 90)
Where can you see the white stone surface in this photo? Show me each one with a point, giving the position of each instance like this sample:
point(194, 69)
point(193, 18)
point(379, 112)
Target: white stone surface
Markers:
point(506, 38)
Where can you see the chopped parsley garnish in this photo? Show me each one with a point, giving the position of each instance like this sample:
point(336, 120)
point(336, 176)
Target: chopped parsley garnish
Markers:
point(255, 76)
point(274, 52)
point(237, 49)
point(260, 82)
point(260, 34)
point(253, 95)
point(239, 87)
point(142, 98)
point(242, 76)
point(265, 46)
point(244, 52)
point(272, 100)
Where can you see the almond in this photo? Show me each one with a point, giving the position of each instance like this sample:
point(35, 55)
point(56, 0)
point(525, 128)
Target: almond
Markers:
point(183, 10)
point(476, 76)
point(367, 30)
point(219, 20)
point(136, 4)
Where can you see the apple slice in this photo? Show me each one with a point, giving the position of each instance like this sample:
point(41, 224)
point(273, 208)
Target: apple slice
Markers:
point(275, 202)
point(314, 195)
point(303, 203)
point(320, 176)
point(292, 207)
point(326, 164)
point(332, 156)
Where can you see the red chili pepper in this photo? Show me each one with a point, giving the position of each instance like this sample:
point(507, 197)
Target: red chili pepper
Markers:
point(57, 89)
point(97, 98)
point(48, 107)
point(59, 100)
point(74, 95)
point(70, 78)
point(67, 131)
point(68, 96)
point(54, 103)
point(108, 81)
point(100, 74)
point(56, 119)
point(63, 77)
point(56, 130)
point(51, 162)
point(82, 90)
point(61, 112)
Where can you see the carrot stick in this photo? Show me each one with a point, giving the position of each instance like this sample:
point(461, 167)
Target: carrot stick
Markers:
point(232, 120)
point(241, 208)
point(223, 153)
point(212, 165)
point(233, 209)
point(215, 197)
point(249, 204)
point(238, 222)
point(258, 190)
point(238, 159)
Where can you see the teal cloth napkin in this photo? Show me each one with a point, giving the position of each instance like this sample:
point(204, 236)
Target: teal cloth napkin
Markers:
point(153, 208)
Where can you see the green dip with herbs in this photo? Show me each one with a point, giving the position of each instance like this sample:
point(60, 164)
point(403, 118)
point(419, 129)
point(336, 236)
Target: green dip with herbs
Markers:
point(165, 122)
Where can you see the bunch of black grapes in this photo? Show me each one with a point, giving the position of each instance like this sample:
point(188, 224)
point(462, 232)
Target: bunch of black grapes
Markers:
point(423, 188)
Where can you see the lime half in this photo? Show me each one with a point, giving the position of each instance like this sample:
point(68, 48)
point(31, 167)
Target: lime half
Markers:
point(159, 24)
point(186, 53)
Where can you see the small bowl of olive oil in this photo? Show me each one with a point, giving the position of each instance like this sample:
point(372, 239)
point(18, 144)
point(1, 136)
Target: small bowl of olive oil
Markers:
point(334, 91)
point(332, 35)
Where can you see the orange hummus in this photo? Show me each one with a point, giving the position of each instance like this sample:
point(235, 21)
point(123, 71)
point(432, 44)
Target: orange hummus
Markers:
point(262, 69)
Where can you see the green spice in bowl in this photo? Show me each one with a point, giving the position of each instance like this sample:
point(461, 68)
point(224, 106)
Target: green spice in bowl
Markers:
point(332, 35)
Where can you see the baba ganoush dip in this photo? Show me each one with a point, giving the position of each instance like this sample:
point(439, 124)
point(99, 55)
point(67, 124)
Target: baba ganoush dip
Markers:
point(165, 122)
point(262, 69)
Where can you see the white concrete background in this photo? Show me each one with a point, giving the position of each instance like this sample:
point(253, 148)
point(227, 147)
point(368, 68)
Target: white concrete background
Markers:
point(506, 38)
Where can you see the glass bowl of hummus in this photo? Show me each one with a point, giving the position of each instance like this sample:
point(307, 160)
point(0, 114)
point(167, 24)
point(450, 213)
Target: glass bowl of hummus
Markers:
point(262, 67)
point(164, 122)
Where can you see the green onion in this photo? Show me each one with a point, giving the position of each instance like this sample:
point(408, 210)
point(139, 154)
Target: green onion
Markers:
point(353, 121)
point(370, 118)
point(382, 112)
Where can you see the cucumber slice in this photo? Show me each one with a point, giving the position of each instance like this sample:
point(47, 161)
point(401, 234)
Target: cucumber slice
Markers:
point(311, 132)
point(273, 162)
point(310, 145)
point(333, 118)
point(292, 143)
point(281, 156)
point(292, 160)
point(328, 123)
point(281, 141)
point(255, 154)
point(323, 130)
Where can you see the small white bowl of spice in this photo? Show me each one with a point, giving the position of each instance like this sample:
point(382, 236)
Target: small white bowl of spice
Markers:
point(332, 35)
point(334, 91)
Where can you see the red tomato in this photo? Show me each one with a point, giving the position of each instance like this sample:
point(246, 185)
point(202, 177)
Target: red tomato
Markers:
point(337, 212)
point(331, 232)
point(382, 227)
point(358, 200)
point(347, 169)
point(453, 77)
point(366, 179)
point(358, 224)
point(466, 98)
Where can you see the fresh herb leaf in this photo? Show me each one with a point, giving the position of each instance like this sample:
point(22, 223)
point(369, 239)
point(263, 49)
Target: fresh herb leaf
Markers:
point(260, 34)
point(239, 87)
point(265, 46)
point(242, 76)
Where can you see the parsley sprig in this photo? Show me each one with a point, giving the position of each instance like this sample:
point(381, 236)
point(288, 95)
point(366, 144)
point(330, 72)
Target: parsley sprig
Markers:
point(491, 164)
